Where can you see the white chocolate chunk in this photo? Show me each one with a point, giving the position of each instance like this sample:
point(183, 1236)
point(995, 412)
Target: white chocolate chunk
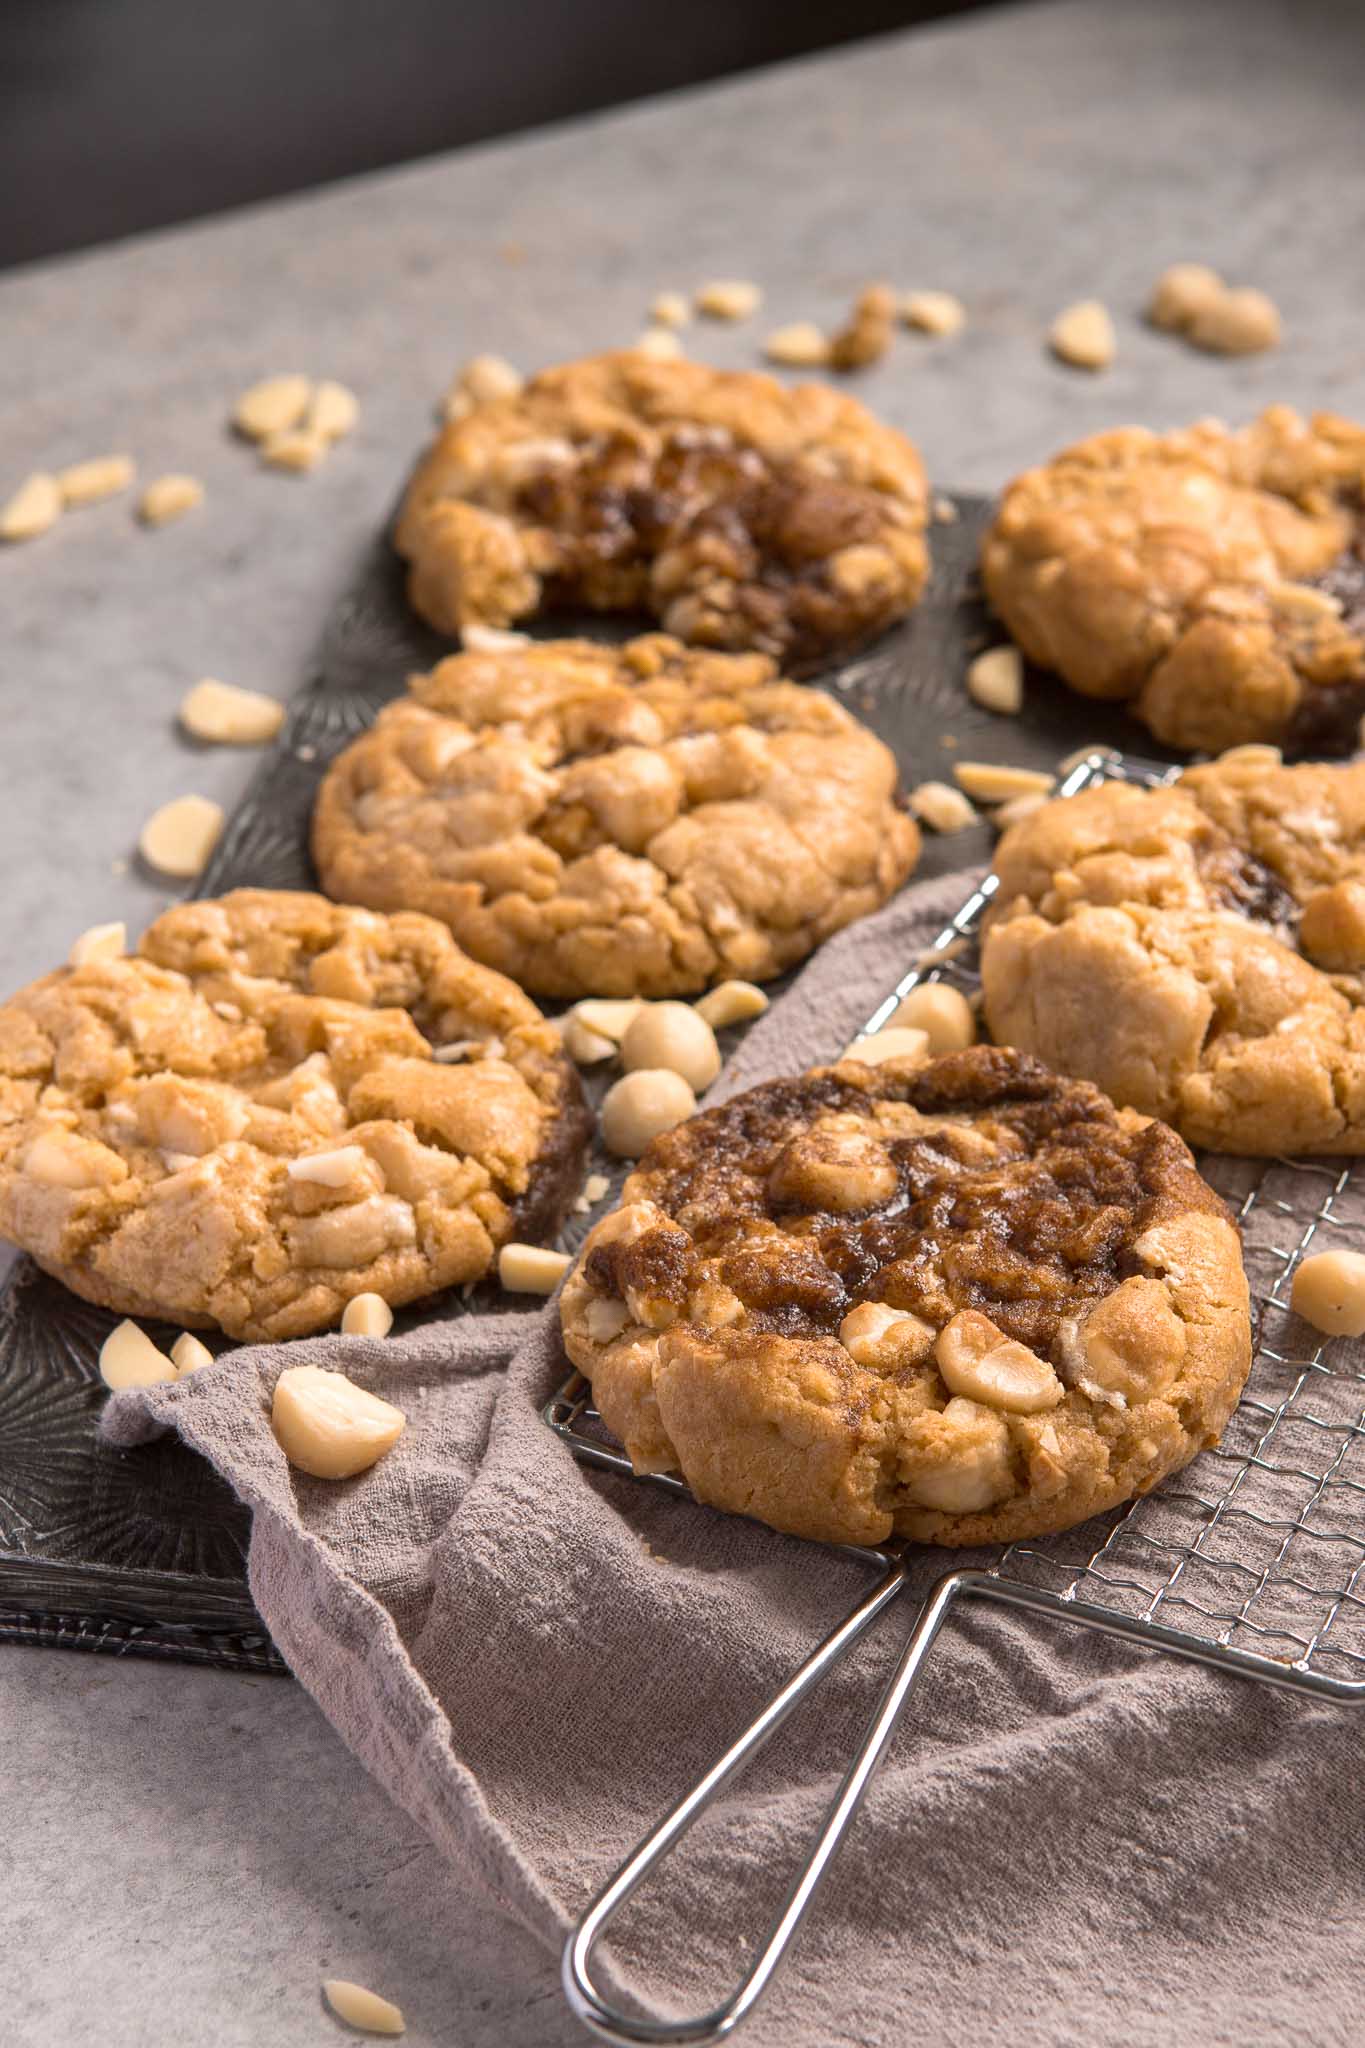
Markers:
point(1329, 1292)
point(362, 2008)
point(333, 411)
point(188, 1354)
point(894, 1043)
point(228, 716)
point(731, 1002)
point(128, 1358)
point(941, 807)
point(605, 1320)
point(101, 942)
point(995, 680)
point(531, 1268)
point(328, 1426)
point(366, 1315)
point(641, 1106)
point(272, 406)
point(729, 299)
point(336, 1169)
point(942, 1013)
point(977, 1360)
point(178, 839)
point(85, 483)
point(169, 497)
point(35, 506)
point(676, 1036)
point(977, 1473)
point(991, 782)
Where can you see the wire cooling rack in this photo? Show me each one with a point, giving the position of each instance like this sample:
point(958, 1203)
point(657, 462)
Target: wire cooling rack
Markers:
point(1251, 1560)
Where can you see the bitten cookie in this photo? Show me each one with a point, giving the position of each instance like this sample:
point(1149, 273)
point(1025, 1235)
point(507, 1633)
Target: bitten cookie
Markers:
point(739, 512)
point(1214, 580)
point(627, 821)
point(962, 1302)
point(275, 1105)
point(1198, 951)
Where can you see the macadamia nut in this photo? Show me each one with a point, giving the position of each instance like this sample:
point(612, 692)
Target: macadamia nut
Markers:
point(641, 1106)
point(328, 1426)
point(676, 1036)
point(128, 1358)
point(1329, 1292)
point(942, 1013)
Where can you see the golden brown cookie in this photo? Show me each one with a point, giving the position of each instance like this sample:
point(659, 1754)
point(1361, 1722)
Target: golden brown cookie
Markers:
point(963, 1302)
point(737, 511)
point(628, 821)
point(277, 1104)
point(1213, 580)
point(1198, 951)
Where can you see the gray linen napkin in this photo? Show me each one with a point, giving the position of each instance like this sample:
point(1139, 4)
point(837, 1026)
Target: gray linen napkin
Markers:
point(1071, 1841)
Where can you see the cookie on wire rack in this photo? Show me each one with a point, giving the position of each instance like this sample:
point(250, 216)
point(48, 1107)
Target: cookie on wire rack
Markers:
point(737, 511)
point(277, 1104)
point(963, 1302)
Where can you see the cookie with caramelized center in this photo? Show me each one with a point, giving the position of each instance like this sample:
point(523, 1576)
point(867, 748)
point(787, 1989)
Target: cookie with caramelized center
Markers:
point(277, 1104)
point(963, 1302)
point(738, 512)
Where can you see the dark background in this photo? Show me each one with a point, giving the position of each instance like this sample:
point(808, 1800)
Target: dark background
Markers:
point(119, 115)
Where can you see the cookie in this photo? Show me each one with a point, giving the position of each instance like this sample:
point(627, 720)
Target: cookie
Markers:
point(275, 1105)
point(626, 821)
point(739, 512)
point(1214, 581)
point(963, 1302)
point(1197, 951)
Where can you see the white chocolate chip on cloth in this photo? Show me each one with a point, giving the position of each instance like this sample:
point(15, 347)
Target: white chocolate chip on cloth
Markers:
point(640, 820)
point(1197, 951)
point(963, 1302)
point(740, 512)
point(1213, 580)
point(244, 1123)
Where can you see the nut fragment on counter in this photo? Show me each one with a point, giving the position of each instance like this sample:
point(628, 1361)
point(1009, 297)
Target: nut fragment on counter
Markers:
point(332, 411)
point(1083, 335)
point(941, 807)
point(978, 1361)
point(798, 346)
point(1181, 292)
point(179, 837)
point(731, 1002)
point(941, 1012)
point(595, 1186)
point(128, 1358)
point(101, 942)
point(895, 1042)
point(586, 1048)
point(361, 2008)
point(1329, 1292)
point(609, 1016)
point(229, 716)
point(729, 299)
point(366, 1315)
point(169, 497)
point(669, 309)
point(992, 782)
point(661, 343)
point(272, 406)
point(189, 1354)
point(940, 313)
point(297, 448)
point(85, 483)
point(482, 379)
point(329, 1427)
point(1240, 323)
point(676, 1036)
point(531, 1268)
point(995, 680)
point(35, 506)
point(641, 1106)
point(867, 335)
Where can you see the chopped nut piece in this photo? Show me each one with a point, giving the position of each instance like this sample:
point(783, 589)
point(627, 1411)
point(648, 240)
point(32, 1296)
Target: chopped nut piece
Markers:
point(731, 1002)
point(531, 1268)
point(586, 1047)
point(676, 1036)
point(1301, 600)
point(297, 449)
point(934, 312)
point(606, 1320)
point(333, 411)
point(188, 1354)
point(669, 309)
point(607, 1017)
point(1332, 927)
point(800, 346)
point(661, 343)
point(640, 1106)
point(366, 1315)
point(335, 1169)
point(995, 680)
point(1240, 323)
point(1329, 1293)
point(1181, 293)
point(271, 407)
point(729, 299)
point(881, 1337)
point(867, 336)
point(101, 942)
point(485, 378)
point(328, 1426)
point(895, 1042)
point(228, 716)
point(941, 807)
point(1015, 811)
point(945, 512)
point(35, 506)
point(169, 497)
point(128, 1358)
point(85, 483)
point(178, 839)
point(991, 782)
point(595, 1186)
point(979, 1471)
point(941, 1012)
point(1083, 336)
point(978, 1361)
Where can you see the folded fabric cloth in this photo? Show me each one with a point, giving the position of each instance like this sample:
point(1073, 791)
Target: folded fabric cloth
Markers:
point(1071, 1841)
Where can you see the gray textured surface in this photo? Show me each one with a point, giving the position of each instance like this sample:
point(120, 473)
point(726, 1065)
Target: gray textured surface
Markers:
point(196, 1849)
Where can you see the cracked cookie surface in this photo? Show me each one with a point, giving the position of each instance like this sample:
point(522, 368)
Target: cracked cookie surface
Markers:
point(737, 511)
point(1196, 951)
point(1214, 580)
point(618, 821)
point(277, 1104)
point(963, 1302)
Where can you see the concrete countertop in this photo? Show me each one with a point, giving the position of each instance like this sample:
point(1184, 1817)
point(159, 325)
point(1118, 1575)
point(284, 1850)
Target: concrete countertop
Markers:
point(189, 1851)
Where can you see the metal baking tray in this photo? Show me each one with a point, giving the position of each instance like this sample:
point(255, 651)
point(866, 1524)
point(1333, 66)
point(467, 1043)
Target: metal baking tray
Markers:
point(144, 1551)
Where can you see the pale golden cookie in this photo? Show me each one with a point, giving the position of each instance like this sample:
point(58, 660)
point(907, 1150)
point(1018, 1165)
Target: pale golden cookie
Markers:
point(1198, 952)
point(1213, 580)
point(739, 512)
point(618, 821)
point(275, 1105)
point(963, 1302)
